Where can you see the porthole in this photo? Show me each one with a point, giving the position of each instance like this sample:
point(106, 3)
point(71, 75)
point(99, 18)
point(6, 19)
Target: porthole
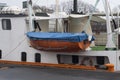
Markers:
point(23, 56)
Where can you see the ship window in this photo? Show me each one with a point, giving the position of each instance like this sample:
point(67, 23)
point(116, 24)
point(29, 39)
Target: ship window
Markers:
point(100, 60)
point(37, 57)
point(25, 4)
point(23, 56)
point(0, 54)
point(119, 41)
point(6, 24)
point(59, 58)
point(75, 59)
point(66, 29)
point(119, 59)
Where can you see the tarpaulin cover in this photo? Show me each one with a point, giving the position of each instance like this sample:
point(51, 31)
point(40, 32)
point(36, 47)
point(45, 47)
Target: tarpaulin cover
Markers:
point(70, 37)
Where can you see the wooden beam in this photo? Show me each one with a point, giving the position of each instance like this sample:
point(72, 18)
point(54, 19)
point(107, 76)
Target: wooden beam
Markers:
point(48, 65)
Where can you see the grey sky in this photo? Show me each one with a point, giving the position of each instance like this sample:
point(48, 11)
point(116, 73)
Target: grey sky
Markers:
point(113, 3)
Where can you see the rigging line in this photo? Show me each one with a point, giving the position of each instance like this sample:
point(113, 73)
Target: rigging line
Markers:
point(118, 17)
point(90, 16)
point(110, 10)
point(46, 4)
point(35, 1)
point(103, 4)
point(15, 47)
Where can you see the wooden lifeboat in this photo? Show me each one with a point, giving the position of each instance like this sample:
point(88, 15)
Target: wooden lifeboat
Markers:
point(59, 42)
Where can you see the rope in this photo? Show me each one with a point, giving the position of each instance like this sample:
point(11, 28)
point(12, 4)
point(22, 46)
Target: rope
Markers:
point(35, 1)
point(15, 48)
point(90, 16)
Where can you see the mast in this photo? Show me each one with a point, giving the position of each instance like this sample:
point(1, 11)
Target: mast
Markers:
point(110, 44)
point(56, 13)
point(29, 3)
point(75, 7)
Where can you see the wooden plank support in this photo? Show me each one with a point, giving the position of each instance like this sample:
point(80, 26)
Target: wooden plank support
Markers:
point(48, 65)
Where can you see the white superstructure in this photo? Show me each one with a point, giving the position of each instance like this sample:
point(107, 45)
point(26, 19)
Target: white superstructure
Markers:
point(14, 44)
